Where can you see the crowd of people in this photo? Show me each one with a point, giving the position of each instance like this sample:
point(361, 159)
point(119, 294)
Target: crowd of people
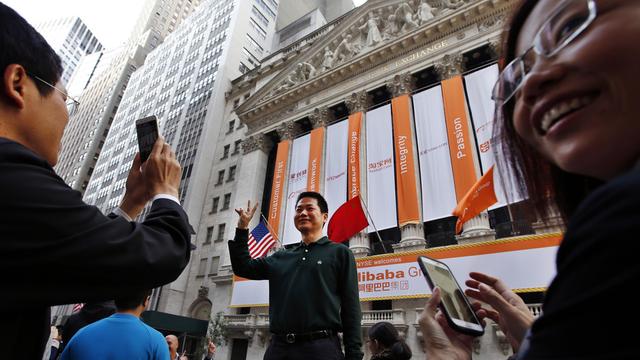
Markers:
point(566, 118)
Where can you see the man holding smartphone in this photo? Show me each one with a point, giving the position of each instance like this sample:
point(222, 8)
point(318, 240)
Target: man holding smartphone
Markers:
point(44, 224)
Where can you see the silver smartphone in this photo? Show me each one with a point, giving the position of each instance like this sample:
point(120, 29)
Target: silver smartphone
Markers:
point(454, 303)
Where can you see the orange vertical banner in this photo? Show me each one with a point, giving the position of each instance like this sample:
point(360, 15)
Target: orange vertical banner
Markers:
point(353, 168)
point(407, 194)
point(315, 159)
point(277, 187)
point(460, 141)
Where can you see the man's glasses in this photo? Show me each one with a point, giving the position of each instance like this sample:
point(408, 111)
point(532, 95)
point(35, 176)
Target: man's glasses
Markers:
point(72, 104)
point(564, 25)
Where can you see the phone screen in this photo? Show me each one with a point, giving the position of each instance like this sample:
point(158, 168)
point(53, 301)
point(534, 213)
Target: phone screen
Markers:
point(147, 131)
point(454, 301)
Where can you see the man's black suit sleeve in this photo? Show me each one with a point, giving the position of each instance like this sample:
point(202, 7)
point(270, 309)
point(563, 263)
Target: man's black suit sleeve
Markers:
point(55, 249)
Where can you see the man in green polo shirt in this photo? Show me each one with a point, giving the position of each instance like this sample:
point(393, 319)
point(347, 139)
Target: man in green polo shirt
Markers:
point(313, 287)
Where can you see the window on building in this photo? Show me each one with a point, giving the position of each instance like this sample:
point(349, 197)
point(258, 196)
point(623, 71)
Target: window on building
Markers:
point(232, 174)
point(225, 152)
point(232, 125)
point(221, 229)
point(214, 205)
point(236, 147)
point(220, 177)
point(203, 267)
point(215, 263)
point(227, 202)
point(209, 235)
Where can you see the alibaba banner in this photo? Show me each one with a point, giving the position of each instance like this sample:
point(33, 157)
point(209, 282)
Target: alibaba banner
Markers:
point(525, 263)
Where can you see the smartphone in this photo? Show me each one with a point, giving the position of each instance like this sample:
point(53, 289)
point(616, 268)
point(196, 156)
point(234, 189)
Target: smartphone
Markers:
point(147, 130)
point(454, 304)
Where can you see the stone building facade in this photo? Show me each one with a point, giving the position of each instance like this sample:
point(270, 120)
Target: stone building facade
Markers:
point(380, 50)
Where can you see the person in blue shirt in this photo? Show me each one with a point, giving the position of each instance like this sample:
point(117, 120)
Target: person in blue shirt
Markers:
point(123, 335)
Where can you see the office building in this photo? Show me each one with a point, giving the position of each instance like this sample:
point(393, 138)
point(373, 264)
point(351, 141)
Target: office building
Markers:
point(72, 40)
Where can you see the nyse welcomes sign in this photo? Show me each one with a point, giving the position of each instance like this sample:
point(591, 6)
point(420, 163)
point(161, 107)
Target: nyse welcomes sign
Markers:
point(398, 276)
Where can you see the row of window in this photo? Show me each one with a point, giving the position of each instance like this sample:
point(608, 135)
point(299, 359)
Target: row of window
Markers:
point(213, 268)
point(231, 177)
point(216, 202)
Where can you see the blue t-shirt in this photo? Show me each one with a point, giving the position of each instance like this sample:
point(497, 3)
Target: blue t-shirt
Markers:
point(120, 336)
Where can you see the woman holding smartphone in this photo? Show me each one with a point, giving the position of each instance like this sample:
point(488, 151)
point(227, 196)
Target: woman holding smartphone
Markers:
point(568, 116)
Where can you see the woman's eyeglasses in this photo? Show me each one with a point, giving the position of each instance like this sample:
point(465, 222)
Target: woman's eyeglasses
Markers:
point(562, 27)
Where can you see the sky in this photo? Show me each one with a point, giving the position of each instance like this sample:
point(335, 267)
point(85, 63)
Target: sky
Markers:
point(108, 20)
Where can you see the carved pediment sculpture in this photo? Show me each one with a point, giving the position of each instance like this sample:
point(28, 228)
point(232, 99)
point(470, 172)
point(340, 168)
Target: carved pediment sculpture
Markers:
point(374, 24)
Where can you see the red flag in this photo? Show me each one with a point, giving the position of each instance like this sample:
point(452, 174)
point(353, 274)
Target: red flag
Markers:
point(347, 221)
point(479, 197)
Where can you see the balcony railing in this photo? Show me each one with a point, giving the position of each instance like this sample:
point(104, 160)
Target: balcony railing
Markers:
point(240, 321)
point(370, 317)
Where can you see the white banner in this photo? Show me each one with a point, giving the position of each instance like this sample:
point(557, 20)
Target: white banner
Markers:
point(335, 185)
point(381, 184)
point(479, 85)
point(436, 175)
point(297, 184)
point(398, 276)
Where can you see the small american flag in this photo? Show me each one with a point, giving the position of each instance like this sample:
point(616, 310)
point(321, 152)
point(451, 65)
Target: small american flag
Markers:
point(77, 307)
point(260, 241)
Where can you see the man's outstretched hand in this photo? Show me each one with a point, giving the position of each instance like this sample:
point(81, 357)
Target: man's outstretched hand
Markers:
point(246, 215)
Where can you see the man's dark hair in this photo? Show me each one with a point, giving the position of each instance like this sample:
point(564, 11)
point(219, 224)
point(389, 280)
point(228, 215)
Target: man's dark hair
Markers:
point(21, 44)
point(131, 301)
point(322, 203)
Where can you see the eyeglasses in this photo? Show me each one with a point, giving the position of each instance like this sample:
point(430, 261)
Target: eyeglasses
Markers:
point(72, 104)
point(562, 27)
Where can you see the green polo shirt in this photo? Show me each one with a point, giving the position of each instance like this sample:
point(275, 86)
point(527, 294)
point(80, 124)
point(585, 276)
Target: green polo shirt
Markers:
point(311, 287)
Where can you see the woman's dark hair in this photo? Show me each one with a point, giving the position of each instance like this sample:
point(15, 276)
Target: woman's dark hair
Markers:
point(547, 186)
point(21, 44)
point(387, 336)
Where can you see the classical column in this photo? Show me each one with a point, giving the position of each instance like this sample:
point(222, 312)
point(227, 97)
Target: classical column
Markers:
point(288, 130)
point(411, 235)
point(477, 229)
point(359, 243)
point(250, 177)
point(320, 117)
point(450, 66)
point(356, 102)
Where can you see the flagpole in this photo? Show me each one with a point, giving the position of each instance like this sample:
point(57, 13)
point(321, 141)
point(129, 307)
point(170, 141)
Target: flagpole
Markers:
point(372, 223)
point(266, 222)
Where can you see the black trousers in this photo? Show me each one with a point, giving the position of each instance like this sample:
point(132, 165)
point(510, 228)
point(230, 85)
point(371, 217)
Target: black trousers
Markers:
point(320, 349)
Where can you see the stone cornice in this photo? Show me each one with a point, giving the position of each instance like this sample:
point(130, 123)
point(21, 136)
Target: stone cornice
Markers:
point(253, 112)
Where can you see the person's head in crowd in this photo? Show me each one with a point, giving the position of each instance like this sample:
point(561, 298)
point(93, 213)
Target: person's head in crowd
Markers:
point(135, 303)
point(173, 343)
point(385, 342)
point(32, 98)
point(312, 212)
point(567, 113)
